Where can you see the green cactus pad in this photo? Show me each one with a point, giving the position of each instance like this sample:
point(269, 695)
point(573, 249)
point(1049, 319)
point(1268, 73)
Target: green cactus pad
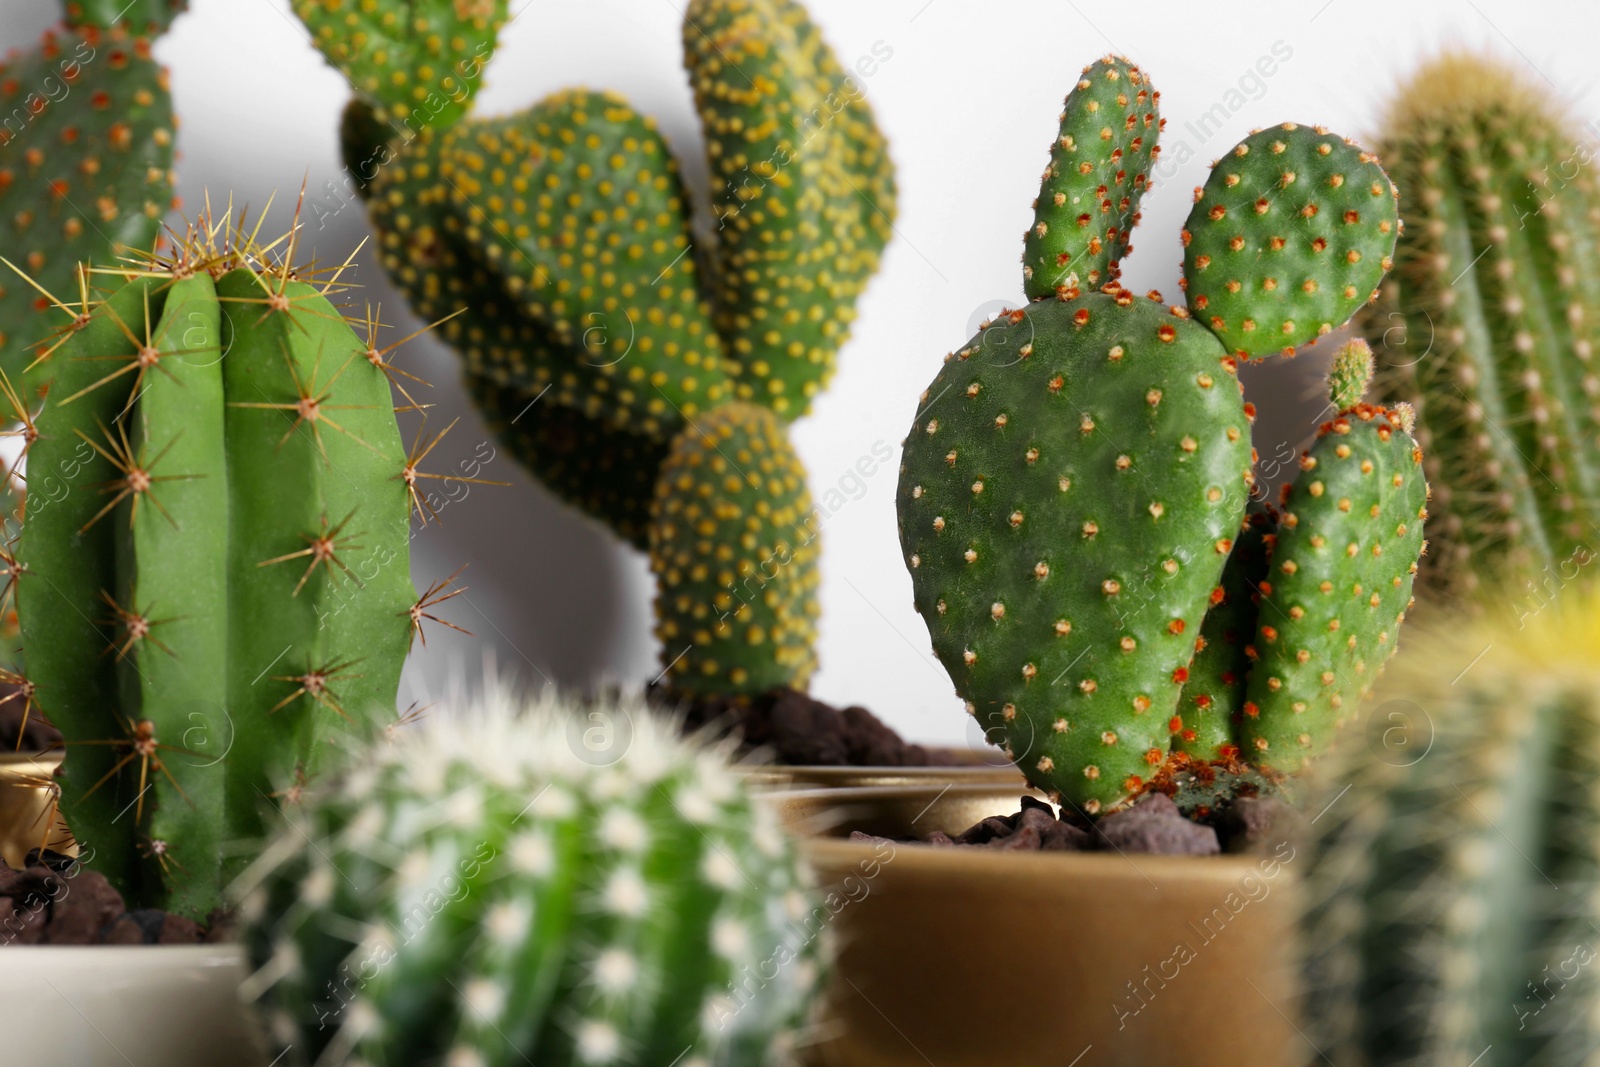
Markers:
point(85, 173)
point(1490, 324)
point(1350, 375)
point(425, 60)
point(734, 546)
point(1213, 699)
point(577, 206)
point(1099, 170)
point(364, 135)
point(147, 16)
point(1292, 233)
point(1069, 497)
point(608, 473)
point(802, 191)
point(533, 900)
point(223, 590)
point(1339, 584)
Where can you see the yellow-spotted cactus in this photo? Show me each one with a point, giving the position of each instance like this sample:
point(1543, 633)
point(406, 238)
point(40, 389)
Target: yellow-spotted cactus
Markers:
point(1073, 497)
point(479, 891)
point(609, 344)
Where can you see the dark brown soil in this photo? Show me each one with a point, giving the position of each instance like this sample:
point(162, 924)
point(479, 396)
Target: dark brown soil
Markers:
point(37, 736)
point(797, 730)
point(53, 901)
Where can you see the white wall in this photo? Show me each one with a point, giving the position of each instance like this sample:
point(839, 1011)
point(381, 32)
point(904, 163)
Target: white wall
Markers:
point(969, 100)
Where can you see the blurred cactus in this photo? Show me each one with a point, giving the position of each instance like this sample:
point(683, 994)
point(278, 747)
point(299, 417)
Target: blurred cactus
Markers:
point(1073, 497)
point(216, 584)
point(1489, 323)
point(86, 173)
point(1452, 886)
point(477, 891)
point(600, 335)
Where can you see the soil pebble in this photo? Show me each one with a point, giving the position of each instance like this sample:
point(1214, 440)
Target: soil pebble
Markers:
point(53, 901)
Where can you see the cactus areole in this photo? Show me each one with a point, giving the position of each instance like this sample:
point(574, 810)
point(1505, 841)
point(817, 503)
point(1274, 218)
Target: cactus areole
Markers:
point(1073, 496)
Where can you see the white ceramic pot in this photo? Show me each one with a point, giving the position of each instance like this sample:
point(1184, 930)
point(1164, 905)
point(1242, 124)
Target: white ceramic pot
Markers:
point(126, 1006)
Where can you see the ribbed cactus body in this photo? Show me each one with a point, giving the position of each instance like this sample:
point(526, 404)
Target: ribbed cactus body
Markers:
point(476, 893)
point(85, 172)
point(218, 572)
point(1453, 883)
point(1489, 323)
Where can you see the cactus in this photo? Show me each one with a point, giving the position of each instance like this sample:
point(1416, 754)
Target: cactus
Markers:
point(148, 16)
point(1489, 323)
point(601, 337)
point(479, 891)
point(1452, 881)
point(1075, 484)
point(220, 595)
point(88, 148)
point(422, 61)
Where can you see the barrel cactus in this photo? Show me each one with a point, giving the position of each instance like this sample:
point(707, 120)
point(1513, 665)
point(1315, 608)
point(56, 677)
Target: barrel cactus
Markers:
point(612, 348)
point(1073, 496)
point(1489, 323)
point(215, 589)
point(1452, 882)
point(487, 889)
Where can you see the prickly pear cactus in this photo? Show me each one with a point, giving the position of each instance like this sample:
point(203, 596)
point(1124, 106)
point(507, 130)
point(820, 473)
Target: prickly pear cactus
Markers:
point(1452, 882)
point(151, 16)
point(423, 60)
point(1073, 495)
point(1489, 324)
point(1340, 575)
point(734, 553)
point(1099, 170)
point(85, 173)
point(219, 596)
point(474, 892)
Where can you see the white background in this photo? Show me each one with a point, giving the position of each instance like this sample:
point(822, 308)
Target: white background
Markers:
point(969, 101)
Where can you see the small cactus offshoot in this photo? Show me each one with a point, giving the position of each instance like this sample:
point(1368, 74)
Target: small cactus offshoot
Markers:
point(215, 588)
point(1073, 496)
point(483, 890)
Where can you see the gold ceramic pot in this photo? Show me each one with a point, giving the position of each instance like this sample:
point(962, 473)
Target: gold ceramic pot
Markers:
point(774, 776)
point(967, 957)
point(29, 817)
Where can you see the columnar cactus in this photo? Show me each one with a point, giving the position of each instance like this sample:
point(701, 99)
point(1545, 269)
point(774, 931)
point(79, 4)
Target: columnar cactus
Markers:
point(1490, 320)
point(220, 593)
point(481, 891)
point(1076, 483)
point(86, 170)
point(1452, 883)
point(601, 336)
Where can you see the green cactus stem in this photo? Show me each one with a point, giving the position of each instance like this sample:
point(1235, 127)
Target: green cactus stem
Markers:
point(734, 550)
point(1099, 170)
point(144, 16)
point(221, 596)
point(1490, 321)
point(1342, 568)
point(475, 892)
point(1292, 233)
point(1073, 494)
point(423, 60)
point(85, 172)
point(1452, 881)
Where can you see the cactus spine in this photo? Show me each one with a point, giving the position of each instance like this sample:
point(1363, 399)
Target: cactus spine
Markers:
point(609, 346)
point(475, 892)
point(1453, 881)
point(220, 593)
point(1488, 324)
point(1073, 495)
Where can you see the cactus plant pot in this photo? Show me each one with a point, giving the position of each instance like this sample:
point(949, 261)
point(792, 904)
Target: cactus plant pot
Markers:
point(967, 957)
point(28, 815)
point(816, 777)
point(173, 1005)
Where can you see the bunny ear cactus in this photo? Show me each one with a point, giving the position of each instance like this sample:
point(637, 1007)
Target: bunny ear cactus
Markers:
point(607, 344)
point(1074, 490)
point(216, 585)
point(422, 61)
point(149, 16)
point(474, 892)
point(1452, 880)
point(1489, 324)
point(86, 173)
